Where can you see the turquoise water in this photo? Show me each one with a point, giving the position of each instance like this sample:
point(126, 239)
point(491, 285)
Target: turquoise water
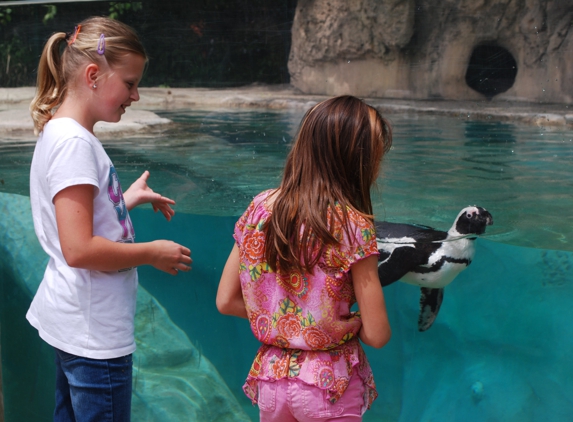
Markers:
point(213, 163)
point(500, 348)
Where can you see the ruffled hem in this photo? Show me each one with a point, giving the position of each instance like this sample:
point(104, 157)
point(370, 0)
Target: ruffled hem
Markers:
point(314, 369)
point(251, 390)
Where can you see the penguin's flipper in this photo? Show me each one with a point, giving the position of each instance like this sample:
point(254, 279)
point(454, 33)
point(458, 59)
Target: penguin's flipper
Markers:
point(430, 302)
point(398, 264)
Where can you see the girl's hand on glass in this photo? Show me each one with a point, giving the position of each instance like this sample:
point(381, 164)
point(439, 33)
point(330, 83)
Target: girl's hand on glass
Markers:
point(140, 193)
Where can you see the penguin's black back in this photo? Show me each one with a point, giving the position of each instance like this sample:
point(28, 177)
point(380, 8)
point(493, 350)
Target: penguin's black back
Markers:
point(421, 234)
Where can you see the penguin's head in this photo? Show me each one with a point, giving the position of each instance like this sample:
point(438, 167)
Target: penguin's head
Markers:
point(472, 220)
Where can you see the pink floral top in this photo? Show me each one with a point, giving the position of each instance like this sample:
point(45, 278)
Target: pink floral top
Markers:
point(304, 320)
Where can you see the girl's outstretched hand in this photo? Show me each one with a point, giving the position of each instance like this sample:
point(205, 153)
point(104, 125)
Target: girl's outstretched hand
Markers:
point(140, 193)
point(171, 257)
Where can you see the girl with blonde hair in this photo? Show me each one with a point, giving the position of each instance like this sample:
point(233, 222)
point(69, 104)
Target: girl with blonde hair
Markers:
point(85, 304)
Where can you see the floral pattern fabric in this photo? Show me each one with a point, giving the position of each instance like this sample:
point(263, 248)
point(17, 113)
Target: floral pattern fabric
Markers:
point(305, 320)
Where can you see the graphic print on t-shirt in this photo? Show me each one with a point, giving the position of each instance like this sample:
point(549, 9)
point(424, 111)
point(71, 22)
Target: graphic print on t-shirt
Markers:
point(116, 197)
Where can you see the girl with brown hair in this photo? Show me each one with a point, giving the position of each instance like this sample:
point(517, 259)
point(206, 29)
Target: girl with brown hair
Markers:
point(304, 254)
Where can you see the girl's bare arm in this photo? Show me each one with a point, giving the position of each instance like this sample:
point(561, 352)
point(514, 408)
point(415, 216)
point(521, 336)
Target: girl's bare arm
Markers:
point(229, 295)
point(81, 249)
point(375, 329)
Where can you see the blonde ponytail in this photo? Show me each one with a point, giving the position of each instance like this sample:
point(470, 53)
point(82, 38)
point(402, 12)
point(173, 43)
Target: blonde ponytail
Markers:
point(50, 85)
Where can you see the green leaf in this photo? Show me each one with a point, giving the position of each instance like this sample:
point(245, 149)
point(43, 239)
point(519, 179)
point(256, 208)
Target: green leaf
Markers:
point(288, 306)
point(255, 271)
point(294, 367)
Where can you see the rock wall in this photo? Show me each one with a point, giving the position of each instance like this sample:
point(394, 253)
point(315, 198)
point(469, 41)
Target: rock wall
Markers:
point(421, 49)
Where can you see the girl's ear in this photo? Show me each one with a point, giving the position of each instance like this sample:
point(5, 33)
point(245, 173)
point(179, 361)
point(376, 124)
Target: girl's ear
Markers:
point(91, 74)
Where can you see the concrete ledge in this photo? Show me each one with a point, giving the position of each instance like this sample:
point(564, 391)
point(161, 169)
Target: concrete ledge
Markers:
point(15, 118)
point(132, 121)
point(18, 123)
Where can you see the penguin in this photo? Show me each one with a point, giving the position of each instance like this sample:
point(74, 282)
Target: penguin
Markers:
point(429, 258)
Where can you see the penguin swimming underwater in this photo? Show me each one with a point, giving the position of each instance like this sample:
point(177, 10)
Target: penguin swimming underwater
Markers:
point(429, 258)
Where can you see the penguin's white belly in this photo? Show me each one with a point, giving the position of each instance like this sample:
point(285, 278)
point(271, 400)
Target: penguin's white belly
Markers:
point(451, 259)
point(437, 279)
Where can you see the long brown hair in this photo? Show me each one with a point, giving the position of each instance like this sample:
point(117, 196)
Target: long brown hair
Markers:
point(334, 160)
point(57, 68)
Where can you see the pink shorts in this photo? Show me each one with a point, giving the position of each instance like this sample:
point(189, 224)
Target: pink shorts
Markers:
point(288, 400)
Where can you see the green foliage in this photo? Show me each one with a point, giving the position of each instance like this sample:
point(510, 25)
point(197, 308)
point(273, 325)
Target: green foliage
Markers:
point(15, 69)
point(50, 14)
point(117, 9)
point(207, 43)
point(5, 15)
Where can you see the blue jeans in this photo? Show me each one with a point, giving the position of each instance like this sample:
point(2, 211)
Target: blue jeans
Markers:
point(92, 390)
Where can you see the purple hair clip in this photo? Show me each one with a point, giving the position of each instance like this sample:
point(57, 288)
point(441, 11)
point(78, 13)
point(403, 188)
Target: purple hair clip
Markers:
point(101, 45)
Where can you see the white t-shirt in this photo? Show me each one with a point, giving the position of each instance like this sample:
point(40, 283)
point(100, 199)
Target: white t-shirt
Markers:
point(86, 313)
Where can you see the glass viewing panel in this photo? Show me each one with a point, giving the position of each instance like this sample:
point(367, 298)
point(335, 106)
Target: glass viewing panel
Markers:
point(484, 123)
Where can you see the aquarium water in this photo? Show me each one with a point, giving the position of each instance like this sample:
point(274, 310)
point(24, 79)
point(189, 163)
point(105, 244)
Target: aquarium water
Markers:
point(501, 347)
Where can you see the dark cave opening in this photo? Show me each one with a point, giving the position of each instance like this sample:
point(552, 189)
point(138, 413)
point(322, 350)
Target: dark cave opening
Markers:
point(491, 70)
